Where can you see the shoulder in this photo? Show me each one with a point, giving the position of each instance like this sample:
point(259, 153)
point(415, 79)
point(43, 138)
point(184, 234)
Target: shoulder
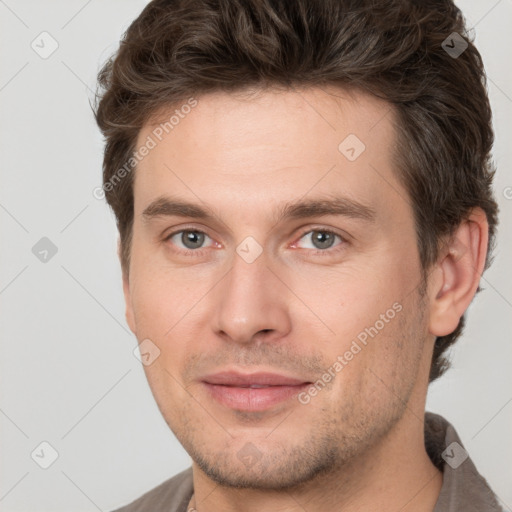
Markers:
point(172, 495)
point(464, 488)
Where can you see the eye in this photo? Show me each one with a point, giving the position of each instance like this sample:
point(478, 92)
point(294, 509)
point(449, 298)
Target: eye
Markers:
point(193, 240)
point(320, 239)
point(188, 240)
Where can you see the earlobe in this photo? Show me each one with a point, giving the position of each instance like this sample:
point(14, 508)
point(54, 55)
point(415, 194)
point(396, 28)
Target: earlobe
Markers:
point(461, 263)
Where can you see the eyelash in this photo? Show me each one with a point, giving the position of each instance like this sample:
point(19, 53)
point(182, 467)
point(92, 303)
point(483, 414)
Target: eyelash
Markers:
point(325, 252)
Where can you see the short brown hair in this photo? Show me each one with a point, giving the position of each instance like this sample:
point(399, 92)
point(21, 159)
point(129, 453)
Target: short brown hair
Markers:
point(397, 50)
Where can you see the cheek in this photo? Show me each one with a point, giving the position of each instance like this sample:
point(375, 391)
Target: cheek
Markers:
point(162, 298)
point(168, 310)
point(349, 299)
point(371, 323)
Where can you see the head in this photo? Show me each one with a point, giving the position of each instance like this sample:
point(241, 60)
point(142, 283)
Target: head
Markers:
point(220, 118)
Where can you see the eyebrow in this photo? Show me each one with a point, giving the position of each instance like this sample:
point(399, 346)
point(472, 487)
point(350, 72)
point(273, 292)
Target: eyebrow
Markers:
point(342, 206)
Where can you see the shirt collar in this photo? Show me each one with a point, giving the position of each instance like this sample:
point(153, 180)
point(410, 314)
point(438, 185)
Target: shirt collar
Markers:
point(463, 489)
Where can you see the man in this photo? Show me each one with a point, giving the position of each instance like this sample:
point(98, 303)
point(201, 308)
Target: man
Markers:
point(303, 195)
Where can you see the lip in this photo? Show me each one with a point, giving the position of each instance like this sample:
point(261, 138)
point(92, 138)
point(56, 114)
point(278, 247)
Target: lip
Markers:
point(254, 391)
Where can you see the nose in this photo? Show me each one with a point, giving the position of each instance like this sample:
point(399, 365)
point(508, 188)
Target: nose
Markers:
point(251, 303)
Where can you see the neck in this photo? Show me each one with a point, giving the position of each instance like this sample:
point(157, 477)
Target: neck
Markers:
point(393, 474)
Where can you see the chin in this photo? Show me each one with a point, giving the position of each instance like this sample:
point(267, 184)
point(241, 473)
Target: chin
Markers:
point(270, 471)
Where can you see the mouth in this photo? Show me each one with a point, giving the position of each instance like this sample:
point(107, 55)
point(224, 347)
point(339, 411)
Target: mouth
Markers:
point(252, 392)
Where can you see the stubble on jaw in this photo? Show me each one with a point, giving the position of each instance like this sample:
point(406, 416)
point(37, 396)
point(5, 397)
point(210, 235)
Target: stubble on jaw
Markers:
point(339, 440)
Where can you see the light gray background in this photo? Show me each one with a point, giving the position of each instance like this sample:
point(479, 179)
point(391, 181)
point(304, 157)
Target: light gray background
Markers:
point(68, 374)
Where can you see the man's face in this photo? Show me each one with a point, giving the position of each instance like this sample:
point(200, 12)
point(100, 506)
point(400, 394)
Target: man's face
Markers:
point(255, 306)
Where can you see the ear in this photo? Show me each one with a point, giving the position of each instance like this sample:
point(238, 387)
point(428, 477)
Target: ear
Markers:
point(130, 317)
point(457, 274)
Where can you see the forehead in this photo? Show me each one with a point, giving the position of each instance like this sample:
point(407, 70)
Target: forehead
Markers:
point(257, 147)
point(284, 118)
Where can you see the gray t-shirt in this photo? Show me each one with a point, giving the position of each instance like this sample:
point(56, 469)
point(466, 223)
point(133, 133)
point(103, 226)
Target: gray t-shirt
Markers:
point(463, 489)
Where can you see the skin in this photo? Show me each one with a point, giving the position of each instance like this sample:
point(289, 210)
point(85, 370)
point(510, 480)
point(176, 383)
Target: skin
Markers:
point(358, 443)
